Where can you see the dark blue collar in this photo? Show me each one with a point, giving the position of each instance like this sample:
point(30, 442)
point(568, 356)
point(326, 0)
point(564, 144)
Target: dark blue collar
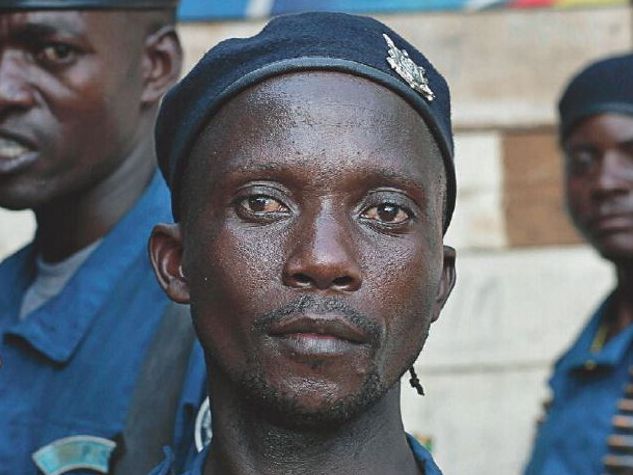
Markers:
point(57, 328)
point(580, 355)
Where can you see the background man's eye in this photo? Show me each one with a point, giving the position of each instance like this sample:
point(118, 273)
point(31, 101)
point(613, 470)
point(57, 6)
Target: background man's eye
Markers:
point(263, 204)
point(56, 53)
point(581, 162)
point(387, 213)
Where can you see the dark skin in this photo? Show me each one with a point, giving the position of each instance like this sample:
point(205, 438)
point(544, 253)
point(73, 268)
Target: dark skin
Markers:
point(311, 252)
point(599, 190)
point(79, 92)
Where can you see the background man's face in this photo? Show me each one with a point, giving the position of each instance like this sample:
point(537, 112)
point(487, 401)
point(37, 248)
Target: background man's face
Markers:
point(599, 183)
point(313, 242)
point(70, 85)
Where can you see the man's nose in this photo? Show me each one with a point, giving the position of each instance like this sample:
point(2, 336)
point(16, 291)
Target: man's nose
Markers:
point(15, 90)
point(615, 175)
point(323, 258)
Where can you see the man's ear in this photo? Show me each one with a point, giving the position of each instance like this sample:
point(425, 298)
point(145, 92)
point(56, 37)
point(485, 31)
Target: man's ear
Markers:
point(165, 252)
point(447, 282)
point(162, 63)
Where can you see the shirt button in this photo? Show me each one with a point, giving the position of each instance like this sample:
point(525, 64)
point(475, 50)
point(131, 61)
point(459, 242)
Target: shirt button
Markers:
point(590, 365)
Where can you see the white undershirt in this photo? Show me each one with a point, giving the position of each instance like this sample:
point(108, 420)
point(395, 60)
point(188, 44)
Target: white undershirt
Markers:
point(51, 279)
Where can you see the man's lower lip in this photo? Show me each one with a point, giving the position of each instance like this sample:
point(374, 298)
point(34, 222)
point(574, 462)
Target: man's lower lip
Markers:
point(613, 224)
point(16, 164)
point(315, 344)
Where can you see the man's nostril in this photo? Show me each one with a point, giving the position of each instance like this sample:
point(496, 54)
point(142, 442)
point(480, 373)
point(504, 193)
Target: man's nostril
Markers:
point(302, 279)
point(344, 281)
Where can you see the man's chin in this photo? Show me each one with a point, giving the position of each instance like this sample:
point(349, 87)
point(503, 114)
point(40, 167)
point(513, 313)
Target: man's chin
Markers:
point(617, 249)
point(310, 410)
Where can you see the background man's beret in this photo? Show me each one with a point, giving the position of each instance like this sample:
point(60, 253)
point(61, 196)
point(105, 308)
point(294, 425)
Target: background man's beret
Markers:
point(604, 86)
point(294, 43)
point(86, 4)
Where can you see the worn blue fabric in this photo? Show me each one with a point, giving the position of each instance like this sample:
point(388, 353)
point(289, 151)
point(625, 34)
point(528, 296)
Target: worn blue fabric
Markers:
point(313, 41)
point(586, 387)
point(424, 458)
point(70, 367)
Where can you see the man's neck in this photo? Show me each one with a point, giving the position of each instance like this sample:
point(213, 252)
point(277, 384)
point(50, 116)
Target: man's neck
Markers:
point(623, 299)
point(73, 222)
point(246, 442)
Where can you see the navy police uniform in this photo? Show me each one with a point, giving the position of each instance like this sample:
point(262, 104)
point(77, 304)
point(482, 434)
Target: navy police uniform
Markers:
point(69, 368)
point(587, 384)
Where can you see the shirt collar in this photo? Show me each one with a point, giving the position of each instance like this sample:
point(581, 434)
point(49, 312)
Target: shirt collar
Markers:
point(580, 355)
point(57, 328)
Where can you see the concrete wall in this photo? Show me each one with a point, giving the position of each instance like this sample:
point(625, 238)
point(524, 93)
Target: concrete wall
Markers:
point(525, 282)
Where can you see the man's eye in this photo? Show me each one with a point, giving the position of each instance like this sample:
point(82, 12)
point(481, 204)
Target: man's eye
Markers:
point(581, 162)
point(56, 53)
point(387, 213)
point(262, 204)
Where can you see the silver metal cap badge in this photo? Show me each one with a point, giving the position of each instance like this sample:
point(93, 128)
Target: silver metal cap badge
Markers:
point(414, 75)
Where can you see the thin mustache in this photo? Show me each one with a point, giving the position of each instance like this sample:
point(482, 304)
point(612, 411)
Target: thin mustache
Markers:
point(319, 306)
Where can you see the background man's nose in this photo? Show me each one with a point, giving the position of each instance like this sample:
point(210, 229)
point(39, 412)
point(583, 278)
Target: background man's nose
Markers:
point(323, 259)
point(612, 177)
point(15, 91)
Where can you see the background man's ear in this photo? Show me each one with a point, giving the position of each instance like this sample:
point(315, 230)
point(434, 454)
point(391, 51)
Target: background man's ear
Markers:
point(165, 252)
point(447, 282)
point(162, 63)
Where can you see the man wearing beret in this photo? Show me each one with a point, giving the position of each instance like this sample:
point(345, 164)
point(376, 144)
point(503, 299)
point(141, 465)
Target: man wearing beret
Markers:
point(589, 425)
point(312, 181)
point(83, 324)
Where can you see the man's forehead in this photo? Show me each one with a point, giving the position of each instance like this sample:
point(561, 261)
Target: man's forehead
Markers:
point(605, 127)
point(338, 99)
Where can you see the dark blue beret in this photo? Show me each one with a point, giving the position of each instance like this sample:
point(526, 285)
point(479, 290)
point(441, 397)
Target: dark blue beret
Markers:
point(604, 86)
point(86, 4)
point(304, 42)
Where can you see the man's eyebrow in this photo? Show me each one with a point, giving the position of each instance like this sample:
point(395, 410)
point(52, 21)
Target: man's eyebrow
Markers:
point(388, 176)
point(398, 177)
point(34, 31)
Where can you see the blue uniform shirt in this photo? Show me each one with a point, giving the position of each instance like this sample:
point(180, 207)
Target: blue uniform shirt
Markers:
point(423, 457)
point(586, 387)
point(69, 368)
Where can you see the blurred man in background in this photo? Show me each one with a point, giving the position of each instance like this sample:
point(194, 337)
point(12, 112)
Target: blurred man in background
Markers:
point(81, 316)
point(589, 426)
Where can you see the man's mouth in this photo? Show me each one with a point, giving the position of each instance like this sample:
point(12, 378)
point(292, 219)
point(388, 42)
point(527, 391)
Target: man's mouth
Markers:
point(11, 149)
point(320, 326)
point(612, 222)
point(15, 153)
point(318, 334)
